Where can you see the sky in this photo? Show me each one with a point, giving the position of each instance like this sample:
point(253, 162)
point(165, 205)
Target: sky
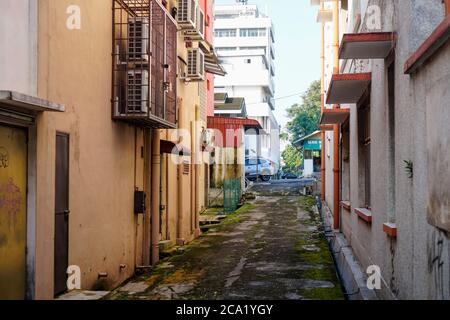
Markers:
point(297, 48)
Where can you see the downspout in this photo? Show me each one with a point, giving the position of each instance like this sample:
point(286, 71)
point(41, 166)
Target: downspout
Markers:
point(146, 247)
point(197, 175)
point(193, 174)
point(168, 237)
point(156, 180)
point(180, 208)
point(336, 128)
point(322, 102)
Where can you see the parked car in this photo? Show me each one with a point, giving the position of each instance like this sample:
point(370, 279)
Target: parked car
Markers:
point(289, 175)
point(259, 168)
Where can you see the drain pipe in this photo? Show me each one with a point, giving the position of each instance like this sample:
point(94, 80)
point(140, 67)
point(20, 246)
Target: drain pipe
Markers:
point(322, 103)
point(197, 160)
point(156, 176)
point(336, 128)
point(180, 208)
point(146, 247)
point(193, 176)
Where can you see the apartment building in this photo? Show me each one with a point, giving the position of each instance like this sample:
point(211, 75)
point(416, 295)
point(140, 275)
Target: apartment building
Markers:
point(245, 44)
point(94, 172)
point(386, 80)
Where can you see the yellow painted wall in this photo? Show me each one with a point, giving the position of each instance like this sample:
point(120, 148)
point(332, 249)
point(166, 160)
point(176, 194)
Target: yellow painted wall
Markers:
point(75, 69)
point(105, 157)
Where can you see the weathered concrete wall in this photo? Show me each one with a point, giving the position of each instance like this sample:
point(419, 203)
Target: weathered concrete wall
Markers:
point(416, 264)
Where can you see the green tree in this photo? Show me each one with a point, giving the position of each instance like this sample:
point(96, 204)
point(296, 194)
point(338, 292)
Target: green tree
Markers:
point(304, 120)
point(305, 117)
point(292, 159)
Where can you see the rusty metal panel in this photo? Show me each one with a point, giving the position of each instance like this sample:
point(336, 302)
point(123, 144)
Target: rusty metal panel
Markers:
point(13, 212)
point(144, 47)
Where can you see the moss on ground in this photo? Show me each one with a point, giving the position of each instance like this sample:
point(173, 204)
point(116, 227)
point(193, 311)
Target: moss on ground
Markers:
point(236, 216)
point(191, 264)
point(322, 293)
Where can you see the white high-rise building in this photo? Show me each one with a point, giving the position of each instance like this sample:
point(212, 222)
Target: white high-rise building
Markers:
point(245, 44)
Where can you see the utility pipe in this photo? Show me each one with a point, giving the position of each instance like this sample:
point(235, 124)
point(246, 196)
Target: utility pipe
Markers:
point(180, 233)
point(197, 167)
point(147, 187)
point(156, 180)
point(336, 128)
point(193, 189)
point(322, 102)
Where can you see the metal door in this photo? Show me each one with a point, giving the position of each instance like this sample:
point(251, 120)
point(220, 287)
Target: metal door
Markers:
point(61, 213)
point(13, 212)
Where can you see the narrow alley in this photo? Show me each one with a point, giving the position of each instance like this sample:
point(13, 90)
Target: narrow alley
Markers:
point(271, 248)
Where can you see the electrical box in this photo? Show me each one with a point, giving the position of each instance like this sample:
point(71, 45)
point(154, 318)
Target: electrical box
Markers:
point(139, 202)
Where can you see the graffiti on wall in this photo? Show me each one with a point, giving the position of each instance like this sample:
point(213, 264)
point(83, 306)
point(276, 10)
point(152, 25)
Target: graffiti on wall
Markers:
point(437, 263)
point(10, 199)
point(4, 158)
point(393, 280)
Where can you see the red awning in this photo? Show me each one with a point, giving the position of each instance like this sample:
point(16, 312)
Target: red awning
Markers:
point(373, 45)
point(348, 88)
point(230, 128)
point(172, 148)
point(334, 116)
point(217, 122)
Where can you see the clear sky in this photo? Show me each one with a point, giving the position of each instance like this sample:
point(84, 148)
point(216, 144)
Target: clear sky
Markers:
point(297, 45)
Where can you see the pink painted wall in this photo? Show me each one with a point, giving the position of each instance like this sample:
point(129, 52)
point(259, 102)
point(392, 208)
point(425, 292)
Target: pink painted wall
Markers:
point(208, 8)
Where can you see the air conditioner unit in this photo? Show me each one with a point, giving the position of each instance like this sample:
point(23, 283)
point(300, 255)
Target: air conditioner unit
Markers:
point(137, 91)
point(138, 39)
point(195, 65)
point(199, 32)
point(187, 14)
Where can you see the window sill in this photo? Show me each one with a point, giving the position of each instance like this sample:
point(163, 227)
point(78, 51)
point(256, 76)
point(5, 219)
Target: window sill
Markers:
point(430, 47)
point(390, 229)
point(364, 214)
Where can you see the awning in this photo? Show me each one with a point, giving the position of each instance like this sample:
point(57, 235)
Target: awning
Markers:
point(348, 88)
point(334, 116)
point(20, 102)
point(212, 64)
point(172, 148)
point(221, 122)
point(373, 45)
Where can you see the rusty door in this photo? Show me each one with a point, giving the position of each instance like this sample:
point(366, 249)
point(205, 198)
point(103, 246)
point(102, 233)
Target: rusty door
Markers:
point(61, 213)
point(13, 212)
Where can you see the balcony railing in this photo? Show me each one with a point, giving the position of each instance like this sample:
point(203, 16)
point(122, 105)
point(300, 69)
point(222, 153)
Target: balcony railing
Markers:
point(144, 64)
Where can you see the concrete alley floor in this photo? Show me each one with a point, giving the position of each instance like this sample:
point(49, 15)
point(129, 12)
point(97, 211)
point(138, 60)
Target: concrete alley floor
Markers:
point(272, 248)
